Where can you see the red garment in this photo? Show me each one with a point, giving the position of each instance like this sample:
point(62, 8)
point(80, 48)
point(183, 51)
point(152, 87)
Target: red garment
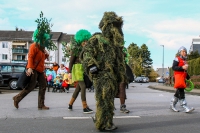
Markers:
point(180, 76)
point(64, 83)
point(67, 69)
point(36, 57)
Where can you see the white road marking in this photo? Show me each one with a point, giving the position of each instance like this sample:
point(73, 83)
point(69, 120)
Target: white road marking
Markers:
point(72, 118)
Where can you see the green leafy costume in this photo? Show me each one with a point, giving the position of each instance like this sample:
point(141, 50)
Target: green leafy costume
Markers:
point(104, 50)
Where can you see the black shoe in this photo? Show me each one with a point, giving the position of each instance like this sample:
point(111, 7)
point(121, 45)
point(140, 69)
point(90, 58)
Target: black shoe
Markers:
point(90, 109)
point(87, 110)
point(70, 107)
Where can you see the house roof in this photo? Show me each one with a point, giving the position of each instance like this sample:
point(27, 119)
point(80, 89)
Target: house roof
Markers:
point(27, 36)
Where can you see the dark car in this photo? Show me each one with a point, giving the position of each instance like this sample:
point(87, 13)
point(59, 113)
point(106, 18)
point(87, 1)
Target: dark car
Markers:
point(10, 73)
point(1, 78)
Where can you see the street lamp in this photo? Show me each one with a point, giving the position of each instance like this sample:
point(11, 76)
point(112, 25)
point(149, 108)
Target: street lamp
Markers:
point(163, 62)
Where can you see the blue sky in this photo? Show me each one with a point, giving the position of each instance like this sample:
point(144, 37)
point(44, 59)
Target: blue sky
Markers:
point(172, 23)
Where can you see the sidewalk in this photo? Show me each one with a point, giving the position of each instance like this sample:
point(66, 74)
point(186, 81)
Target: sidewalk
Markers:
point(171, 89)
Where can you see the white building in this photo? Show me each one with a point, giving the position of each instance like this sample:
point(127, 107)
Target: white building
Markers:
point(14, 46)
point(195, 45)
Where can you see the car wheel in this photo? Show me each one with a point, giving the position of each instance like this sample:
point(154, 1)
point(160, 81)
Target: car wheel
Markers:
point(13, 84)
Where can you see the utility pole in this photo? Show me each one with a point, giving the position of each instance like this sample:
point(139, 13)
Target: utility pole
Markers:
point(163, 62)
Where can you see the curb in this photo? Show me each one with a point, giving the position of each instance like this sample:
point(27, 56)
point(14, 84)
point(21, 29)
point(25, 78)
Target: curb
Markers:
point(171, 89)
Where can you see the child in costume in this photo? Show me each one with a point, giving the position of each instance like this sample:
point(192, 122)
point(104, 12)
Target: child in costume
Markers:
point(180, 67)
point(76, 68)
point(103, 62)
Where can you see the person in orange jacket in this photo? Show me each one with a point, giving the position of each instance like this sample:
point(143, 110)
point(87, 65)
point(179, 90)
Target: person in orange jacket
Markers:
point(35, 66)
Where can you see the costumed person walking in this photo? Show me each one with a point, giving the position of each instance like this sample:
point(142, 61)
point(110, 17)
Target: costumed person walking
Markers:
point(35, 66)
point(103, 62)
point(122, 87)
point(180, 67)
point(76, 69)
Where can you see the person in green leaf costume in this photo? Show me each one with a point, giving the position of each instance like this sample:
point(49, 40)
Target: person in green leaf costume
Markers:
point(76, 68)
point(103, 62)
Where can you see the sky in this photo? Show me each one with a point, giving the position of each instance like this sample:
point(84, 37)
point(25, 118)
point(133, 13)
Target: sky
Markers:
point(172, 23)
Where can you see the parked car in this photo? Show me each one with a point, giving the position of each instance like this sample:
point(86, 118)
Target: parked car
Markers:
point(147, 79)
point(142, 80)
point(161, 80)
point(10, 73)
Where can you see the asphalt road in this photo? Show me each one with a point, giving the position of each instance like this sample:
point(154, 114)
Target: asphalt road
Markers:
point(149, 113)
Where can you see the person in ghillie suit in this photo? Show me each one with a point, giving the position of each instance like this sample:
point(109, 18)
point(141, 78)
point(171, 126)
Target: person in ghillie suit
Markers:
point(103, 62)
point(76, 69)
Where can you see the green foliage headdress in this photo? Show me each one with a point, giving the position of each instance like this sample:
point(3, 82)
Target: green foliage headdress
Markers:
point(82, 35)
point(126, 55)
point(75, 43)
point(42, 34)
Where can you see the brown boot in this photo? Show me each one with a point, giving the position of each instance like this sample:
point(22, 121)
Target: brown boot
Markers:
point(16, 102)
point(19, 97)
point(44, 108)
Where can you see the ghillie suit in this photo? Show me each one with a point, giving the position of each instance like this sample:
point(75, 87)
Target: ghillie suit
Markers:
point(103, 61)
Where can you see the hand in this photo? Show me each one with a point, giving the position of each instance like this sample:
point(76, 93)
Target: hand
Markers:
point(46, 52)
point(185, 67)
point(29, 72)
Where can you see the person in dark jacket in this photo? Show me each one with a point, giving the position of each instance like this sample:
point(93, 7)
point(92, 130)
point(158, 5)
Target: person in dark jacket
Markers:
point(180, 67)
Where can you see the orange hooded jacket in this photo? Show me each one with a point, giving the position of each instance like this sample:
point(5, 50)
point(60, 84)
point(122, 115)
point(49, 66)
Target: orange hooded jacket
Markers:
point(36, 58)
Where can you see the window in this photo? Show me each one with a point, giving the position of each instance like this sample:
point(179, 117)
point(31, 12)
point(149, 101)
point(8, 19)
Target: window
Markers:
point(4, 56)
point(63, 59)
point(18, 68)
point(4, 44)
point(5, 68)
point(50, 58)
point(20, 57)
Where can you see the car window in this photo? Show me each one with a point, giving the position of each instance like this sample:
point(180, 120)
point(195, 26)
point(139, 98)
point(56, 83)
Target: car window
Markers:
point(6, 68)
point(18, 68)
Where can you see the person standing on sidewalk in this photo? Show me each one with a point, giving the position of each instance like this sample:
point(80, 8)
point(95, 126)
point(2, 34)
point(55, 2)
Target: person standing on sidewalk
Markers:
point(76, 69)
point(180, 67)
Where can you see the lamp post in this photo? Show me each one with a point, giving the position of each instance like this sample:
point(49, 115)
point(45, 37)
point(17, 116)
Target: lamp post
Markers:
point(163, 62)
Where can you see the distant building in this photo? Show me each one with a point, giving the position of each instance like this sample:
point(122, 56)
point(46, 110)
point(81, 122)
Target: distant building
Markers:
point(14, 46)
point(195, 45)
point(163, 71)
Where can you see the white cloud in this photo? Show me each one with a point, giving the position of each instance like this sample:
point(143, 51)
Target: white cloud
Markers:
point(4, 24)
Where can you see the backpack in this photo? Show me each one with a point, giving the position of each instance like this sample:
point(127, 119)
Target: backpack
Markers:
point(49, 77)
point(129, 74)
